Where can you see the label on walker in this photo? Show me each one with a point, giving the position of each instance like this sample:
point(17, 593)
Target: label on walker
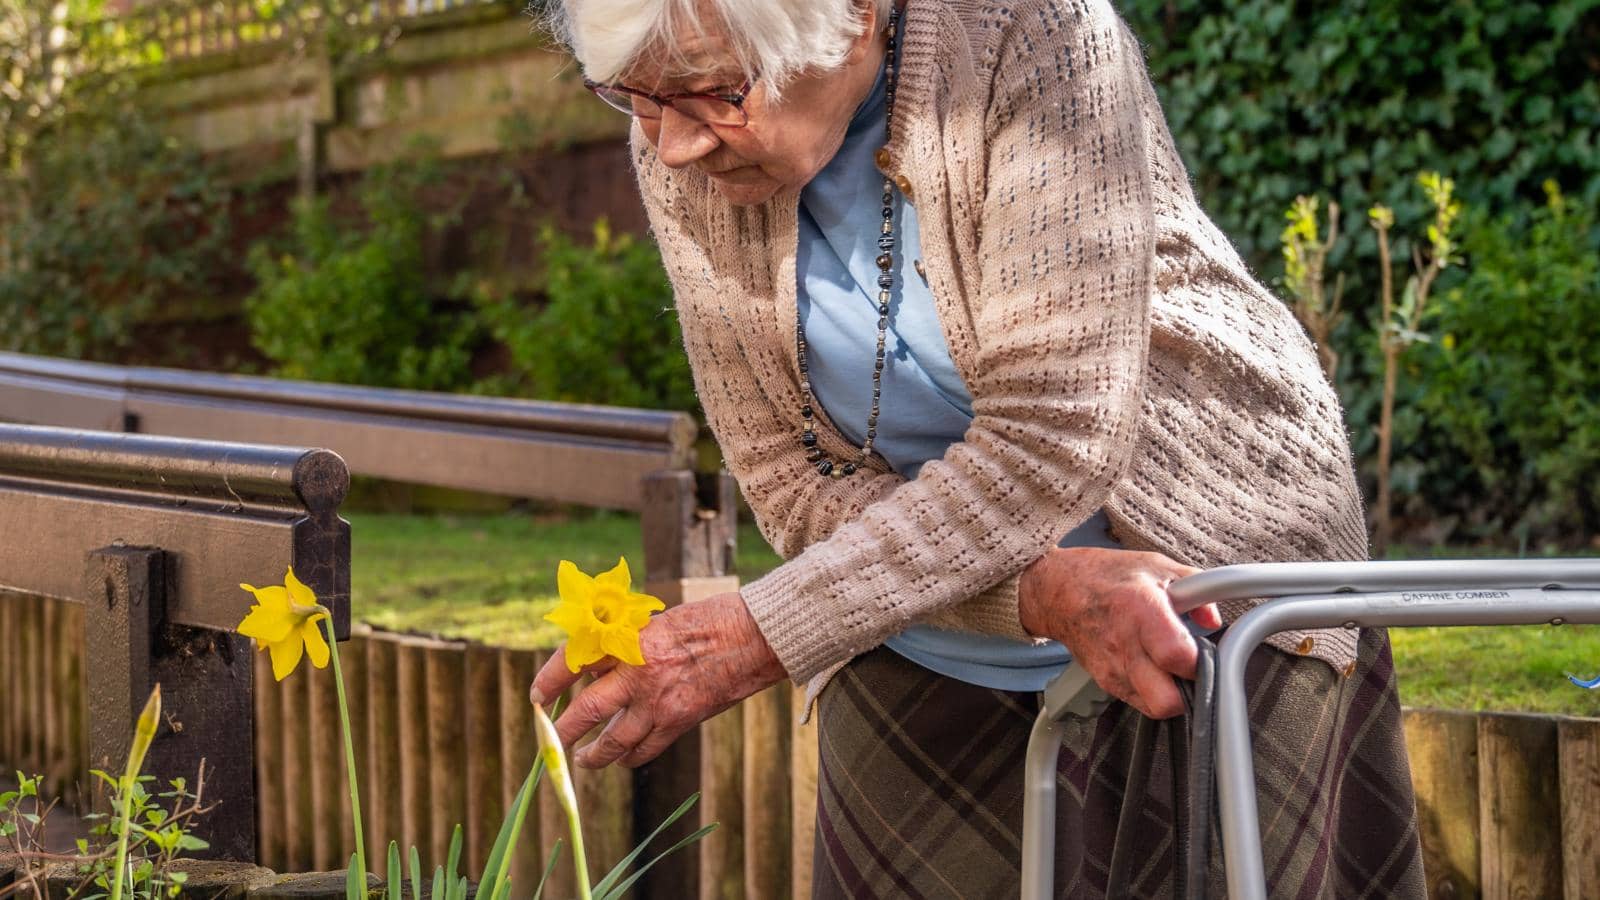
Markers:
point(1425, 596)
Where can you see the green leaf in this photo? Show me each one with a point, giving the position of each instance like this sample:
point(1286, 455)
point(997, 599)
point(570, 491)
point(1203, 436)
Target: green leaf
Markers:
point(621, 868)
point(623, 887)
point(436, 891)
point(453, 856)
point(416, 874)
point(190, 842)
point(489, 884)
point(549, 866)
point(355, 887)
point(391, 889)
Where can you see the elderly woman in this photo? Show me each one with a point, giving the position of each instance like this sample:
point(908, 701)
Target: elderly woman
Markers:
point(990, 380)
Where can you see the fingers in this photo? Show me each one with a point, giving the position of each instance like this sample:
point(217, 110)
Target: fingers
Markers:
point(625, 732)
point(1207, 617)
point(653, 745)
point(597, 702)
point(1156, 694)
point(1169, 646)
point(554, 678)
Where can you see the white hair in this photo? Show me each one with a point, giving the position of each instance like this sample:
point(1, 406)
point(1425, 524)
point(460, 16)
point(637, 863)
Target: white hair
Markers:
point(775, 39)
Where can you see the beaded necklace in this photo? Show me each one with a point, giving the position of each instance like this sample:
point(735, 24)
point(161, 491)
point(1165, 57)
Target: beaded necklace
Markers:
point(826, 466)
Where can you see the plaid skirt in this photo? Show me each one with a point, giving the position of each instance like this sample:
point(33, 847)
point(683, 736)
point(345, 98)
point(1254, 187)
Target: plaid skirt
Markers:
point(920, 787)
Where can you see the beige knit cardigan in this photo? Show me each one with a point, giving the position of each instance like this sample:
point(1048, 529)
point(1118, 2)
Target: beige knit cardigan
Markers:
point(1118, 352)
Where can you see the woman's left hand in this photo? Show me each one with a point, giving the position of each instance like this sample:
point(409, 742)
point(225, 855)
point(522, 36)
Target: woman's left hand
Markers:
point(700, 658)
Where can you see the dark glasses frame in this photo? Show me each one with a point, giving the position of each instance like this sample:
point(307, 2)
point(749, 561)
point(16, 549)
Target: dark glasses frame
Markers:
point(670, 101)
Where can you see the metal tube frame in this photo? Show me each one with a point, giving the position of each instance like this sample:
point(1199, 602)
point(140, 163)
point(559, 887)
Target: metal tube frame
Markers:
point(1310, 595)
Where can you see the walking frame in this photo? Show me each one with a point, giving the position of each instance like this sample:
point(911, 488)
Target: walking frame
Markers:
point(1304, 595)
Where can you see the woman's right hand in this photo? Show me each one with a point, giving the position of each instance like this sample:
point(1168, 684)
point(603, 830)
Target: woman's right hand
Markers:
point(1111, 610)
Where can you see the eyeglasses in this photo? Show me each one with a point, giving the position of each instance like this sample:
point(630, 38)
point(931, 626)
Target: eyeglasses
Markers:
point(723, 110)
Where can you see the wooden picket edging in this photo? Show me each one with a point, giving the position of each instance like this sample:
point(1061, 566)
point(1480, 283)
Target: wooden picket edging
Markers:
point(1508, 804)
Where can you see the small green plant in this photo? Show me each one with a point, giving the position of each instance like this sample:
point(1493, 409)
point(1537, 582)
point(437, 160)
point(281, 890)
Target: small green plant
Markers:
point(1401, 325)
point(22, 816)
point(1305, 256)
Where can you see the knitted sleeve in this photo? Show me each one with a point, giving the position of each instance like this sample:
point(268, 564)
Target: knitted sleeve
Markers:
point(1067, 240)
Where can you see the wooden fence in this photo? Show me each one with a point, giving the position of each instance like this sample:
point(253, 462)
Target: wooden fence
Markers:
point(1508, 804)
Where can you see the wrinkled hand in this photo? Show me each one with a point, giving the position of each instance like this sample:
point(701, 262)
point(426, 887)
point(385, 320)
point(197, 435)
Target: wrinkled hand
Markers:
point(1111, 610)
point(700, 659)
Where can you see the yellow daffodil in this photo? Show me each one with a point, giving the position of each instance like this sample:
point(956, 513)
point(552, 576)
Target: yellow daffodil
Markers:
point(601, 615)
point(284, 622)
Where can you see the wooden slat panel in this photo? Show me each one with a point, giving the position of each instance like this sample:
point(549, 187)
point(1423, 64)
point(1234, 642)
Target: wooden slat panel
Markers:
point(271, 786)
point(605, 797)
point(385, 822)
point(56, 753)
point(299, 840)
point(324, 741)
point(1443, 746)
point(802, 793)
point(1579, 741)
point(74, 703)
point(416, 808)
point(26, 690)
point(447, 768)
point(10, 713)
point(721, 784)
point(353, 658)
point(518, 747)
point(766, 795)
point(1519, 808)
point(485, 800)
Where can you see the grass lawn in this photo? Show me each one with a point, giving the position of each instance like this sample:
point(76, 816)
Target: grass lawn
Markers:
point(491, 578)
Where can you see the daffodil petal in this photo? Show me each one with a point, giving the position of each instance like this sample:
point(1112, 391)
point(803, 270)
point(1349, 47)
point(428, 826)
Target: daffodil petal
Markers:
point(617, 579)
point(298, 592)
point(574, 585)
point(584, 648)
point(286, 655)
point(623, 643)
point(267, 624)
point(316, 644)
point(274, 597)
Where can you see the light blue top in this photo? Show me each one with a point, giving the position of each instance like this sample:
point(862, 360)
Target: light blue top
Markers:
point(925, 406)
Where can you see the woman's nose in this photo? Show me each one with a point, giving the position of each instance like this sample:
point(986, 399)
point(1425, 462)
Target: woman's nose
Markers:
point(681, 140)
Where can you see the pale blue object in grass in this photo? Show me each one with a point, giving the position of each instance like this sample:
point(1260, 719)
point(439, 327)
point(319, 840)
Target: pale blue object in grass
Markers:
point(925, 406)
point(1590, 684)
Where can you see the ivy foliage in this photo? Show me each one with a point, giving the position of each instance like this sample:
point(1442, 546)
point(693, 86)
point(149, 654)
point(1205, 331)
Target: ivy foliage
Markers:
point(1269, 99)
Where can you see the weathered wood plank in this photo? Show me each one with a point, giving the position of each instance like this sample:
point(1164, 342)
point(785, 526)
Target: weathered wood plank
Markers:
point(271, 818)
point(766, 795)
point(802, 793)
point(485, 800)
point(1443, 745)
point(324, 737)
point(518, 747)
point(382, 805)
point(1579, 742)
point(416, 808)
point(1519, 806)
point(446, 672)
point(721, 784)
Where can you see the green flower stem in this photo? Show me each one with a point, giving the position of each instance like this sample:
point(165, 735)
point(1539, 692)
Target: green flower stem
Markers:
point(349, 749)
point(579, 860)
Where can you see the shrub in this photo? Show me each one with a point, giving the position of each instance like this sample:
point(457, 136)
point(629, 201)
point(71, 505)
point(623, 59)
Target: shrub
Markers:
point(352, 305)
point(108, 219)
point(607, 332)
point(1511, 389)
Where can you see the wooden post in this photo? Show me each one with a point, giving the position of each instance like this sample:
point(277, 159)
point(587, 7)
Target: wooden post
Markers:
point(1520, 810)
point(1579, 741)
point(206, 679)
point(1443, 746)
point(689, 525)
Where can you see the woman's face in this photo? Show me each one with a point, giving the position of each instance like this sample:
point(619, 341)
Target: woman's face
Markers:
point(784, 144)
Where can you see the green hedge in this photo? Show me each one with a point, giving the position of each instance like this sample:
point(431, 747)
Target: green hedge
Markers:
point(1273, 98)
